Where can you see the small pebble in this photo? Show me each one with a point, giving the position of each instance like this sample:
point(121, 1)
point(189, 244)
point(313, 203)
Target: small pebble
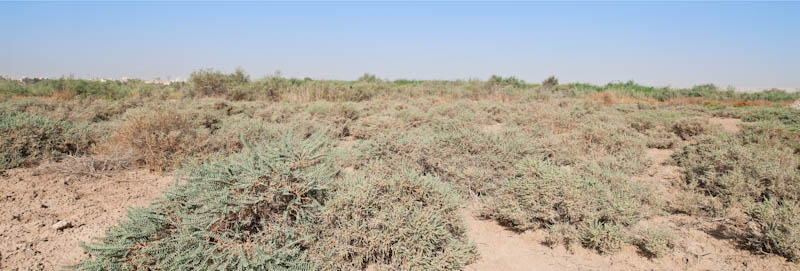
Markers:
point(61, 225)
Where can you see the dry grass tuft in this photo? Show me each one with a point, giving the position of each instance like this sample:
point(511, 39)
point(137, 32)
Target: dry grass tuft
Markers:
point(92, 165)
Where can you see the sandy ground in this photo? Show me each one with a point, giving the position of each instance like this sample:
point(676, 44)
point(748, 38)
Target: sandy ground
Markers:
point(33, 200)
point(503, 249)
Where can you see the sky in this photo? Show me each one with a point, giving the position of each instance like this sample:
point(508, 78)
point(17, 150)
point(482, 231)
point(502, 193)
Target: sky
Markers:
point(679, 44)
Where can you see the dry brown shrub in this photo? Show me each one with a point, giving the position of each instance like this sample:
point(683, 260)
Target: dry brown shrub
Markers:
point(743, 103)
point(61, 95)
point(606, 98)
point(690, 127)
point(160, 138)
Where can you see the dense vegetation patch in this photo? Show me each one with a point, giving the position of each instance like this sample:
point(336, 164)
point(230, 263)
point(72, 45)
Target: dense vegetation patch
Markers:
point(238, 86)
point(402, 221)
point(757, 170)
point(255, 210)
point(275, 207)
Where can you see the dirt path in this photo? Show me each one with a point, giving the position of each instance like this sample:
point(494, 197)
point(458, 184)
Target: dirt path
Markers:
point(32, 203)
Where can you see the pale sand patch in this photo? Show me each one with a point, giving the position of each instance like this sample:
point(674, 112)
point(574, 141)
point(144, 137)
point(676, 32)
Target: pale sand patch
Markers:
point(730, 125)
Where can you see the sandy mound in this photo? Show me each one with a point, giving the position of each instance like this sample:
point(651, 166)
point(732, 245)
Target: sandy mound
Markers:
point(730, 125)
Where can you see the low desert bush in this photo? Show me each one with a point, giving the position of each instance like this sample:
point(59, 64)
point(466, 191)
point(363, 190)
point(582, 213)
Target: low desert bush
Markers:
point(606, 238)
point(234, 132)
point(546, 195)
point(787, 116)
point(76, 110)
point(757, 170)
point(161, 138)
point(496, 80)
point(779, 227)
point(660, 137)
point(208, 82)
point(28, 138)
point(655, 242)
point(657, 135)
point(400, 221)
point(550, 83)
point(690, 127)
point(736, 171)
point(275, 207)
point(471, 159)
point(771, 132)
point(256, 210)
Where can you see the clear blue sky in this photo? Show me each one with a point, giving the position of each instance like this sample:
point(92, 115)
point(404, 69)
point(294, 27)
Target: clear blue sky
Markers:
point(678, 44)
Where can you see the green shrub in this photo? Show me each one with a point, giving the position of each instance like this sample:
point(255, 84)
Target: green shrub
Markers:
point(737, 171)
point(657, 134)
point(208, 82)
point(397, 222)
point(550, 82)
point(592, 207)
point(272, 207)
point(369, 78)
point(757, 169)
point(655, 243)
point(11, 87)
point(511, 81)
point(29, 138)
point(787, 116)
point(771, 132)
point(546, 194)
point(473, 160)
point(773, 95)
point(253, 211)
point(604, 237)
point(235, 131)
point(779, 227)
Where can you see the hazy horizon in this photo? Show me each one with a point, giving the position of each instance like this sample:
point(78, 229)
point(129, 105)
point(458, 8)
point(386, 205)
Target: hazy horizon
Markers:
point(743, 45)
